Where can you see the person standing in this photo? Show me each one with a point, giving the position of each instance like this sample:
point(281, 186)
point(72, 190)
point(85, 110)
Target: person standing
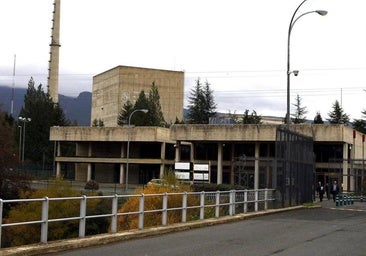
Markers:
point(320, 190)
point(327, 190)
point(334, 190)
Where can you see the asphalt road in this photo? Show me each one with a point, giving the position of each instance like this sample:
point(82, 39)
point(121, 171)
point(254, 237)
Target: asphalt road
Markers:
point(328, 230)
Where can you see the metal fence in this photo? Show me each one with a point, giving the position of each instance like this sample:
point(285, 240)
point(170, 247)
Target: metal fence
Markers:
point(295, 167)
point(220, 203)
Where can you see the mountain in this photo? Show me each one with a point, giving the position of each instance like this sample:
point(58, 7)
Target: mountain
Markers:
point(76, 109)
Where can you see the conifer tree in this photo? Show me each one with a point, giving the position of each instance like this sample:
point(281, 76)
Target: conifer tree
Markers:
point(155, 115)
point(337, 115)
point(318, 118)
point(139, 118)
point(299, 116)
point(360, 124)
point(125, 113)
point(44, 113)
point(201, 104)
point(252, 118)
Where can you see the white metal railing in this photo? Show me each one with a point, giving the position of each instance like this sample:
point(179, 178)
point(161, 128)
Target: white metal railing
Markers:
point(234, 200)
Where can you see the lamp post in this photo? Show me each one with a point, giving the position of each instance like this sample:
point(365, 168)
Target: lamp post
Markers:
point(295, 72)
point(128, 141)
point(20, 142)
point(23, 120)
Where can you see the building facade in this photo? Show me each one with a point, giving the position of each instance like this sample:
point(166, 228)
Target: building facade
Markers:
point(237, 154)
point(113, 88)
point(252, 156)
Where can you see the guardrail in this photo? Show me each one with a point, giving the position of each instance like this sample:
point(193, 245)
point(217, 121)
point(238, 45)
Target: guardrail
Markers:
point(234, 201)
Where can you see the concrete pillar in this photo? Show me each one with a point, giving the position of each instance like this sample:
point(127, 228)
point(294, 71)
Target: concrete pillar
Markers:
point(58, 169)
point(58, 153)
point(268, 168)
point(121, 174)
point(88, 175)
point(122, 165)
point(232, 167)
point(344, 168)
point(162, 157)
point(89, 172)
point(219, 162)
point(256, 166)
point(192, 153)
point(177, 151)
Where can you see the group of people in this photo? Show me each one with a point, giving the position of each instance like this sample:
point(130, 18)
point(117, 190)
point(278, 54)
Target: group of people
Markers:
point(333, 189)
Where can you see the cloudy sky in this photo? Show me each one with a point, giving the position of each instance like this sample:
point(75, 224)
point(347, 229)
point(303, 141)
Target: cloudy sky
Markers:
point(238, 46)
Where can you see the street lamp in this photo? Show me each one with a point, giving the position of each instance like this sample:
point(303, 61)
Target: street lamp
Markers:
point(24, 120)
point(128, 141)
point(20, 142)
point(295, 72)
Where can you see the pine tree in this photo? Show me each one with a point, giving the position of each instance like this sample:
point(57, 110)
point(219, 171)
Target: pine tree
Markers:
point(125, 113)
point(300, 112)
point(155, 115)
point(252, 118)
point(44, 113)
point(209, 101)
point(336, 116)
point(139, 118)
point(201, 104)
point(360, 124)
point(318, 119)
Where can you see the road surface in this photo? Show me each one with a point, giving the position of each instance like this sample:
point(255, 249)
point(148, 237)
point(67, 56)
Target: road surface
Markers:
point(328, 230)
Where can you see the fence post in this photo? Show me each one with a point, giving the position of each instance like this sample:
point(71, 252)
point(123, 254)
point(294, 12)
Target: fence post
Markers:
point(44, 225)
point(217, 208)
point(232, 203)
point(256, 192)
point(141, 211)
point(82, 222)
point(114, 214)
point(245, 208)
point(165, 209)
point(184, 208)
point(1, 218)
point(266, 199)
point(202, 205)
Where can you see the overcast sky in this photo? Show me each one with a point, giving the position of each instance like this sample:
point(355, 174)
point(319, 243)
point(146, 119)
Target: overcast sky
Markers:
point(238, 46)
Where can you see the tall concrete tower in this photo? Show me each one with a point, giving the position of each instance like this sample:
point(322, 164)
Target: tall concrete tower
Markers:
point(53, 69)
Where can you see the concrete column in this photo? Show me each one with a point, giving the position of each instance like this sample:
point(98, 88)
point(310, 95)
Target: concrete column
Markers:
point(268, 169)
point(162, 157)
point(123, 150)
point(58, 153)
point(58, 148)
point(344, 168)
point(88, 175)
point(256, 166)
point(121, 174)
point(219, 163)
point(232, 167)
point(177, 151)
point(58, 169)
point(192, 153)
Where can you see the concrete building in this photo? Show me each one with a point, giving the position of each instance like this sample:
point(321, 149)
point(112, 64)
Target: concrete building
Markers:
point(113, 88)
point(253, 156)
point(237, 154)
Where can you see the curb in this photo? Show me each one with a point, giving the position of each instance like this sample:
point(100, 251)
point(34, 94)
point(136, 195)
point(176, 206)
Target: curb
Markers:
point(102, 239)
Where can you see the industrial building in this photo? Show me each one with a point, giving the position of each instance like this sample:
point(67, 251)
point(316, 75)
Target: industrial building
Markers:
point(247, 155)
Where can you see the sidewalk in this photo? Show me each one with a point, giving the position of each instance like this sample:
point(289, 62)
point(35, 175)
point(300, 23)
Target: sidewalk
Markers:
point(330, 204)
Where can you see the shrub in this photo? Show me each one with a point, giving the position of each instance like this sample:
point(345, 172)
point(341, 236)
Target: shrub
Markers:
point(92, 185)
point(154, 202)
point(30, 211)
